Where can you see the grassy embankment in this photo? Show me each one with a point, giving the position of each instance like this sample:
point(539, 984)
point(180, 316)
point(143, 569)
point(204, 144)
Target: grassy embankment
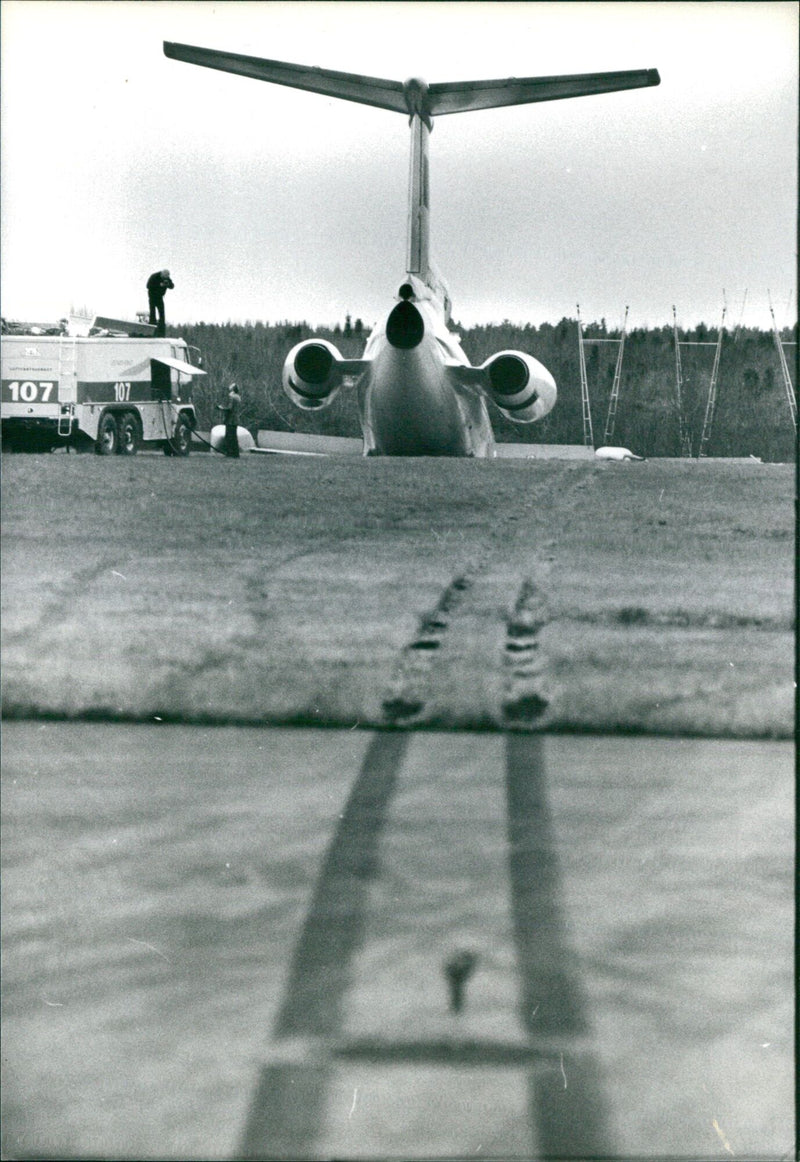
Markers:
point(584, 595)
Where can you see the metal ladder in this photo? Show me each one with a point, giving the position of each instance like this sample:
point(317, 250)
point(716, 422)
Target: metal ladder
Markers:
point(614, 399)
point(66, 371)
point(588, 434)
point(711, 402)
point(683, 434)
point(787, 379)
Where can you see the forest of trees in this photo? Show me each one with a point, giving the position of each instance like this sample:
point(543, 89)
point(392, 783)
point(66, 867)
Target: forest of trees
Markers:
point(752, 414)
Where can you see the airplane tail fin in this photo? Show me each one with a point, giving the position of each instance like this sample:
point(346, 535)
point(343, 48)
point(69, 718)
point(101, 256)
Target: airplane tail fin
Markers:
point(421, 102)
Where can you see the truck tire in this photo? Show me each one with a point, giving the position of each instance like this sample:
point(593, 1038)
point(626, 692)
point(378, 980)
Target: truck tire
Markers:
point(107, 441)
point(181, 442)
point(129, 434)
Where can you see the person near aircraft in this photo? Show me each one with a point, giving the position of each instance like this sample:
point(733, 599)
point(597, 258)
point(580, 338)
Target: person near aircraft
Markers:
point(157, 286)
point(231, 410)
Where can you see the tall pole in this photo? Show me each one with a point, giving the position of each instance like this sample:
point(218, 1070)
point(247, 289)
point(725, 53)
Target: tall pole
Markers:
point(711, 402)
point(612, 403)
point(685, 442)
point(588, 434)
point(787, 379)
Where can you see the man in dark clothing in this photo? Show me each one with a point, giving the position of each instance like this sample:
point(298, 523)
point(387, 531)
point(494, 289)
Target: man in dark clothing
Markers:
point(231, 410)
point(157, 286)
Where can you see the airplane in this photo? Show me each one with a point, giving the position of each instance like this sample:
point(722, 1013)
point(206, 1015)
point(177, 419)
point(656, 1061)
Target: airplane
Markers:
point(418, 394)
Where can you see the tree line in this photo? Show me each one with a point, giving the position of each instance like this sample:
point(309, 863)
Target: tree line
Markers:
point(752, 415)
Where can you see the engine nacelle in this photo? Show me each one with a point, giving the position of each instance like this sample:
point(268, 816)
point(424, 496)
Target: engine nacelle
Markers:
point(311, 373)
point(520, 385)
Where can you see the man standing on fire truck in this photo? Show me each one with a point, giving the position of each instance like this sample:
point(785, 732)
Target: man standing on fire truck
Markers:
point(157, 286)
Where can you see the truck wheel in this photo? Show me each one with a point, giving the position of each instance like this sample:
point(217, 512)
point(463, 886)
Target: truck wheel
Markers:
point(107, 440)
point(181, 441)
point(129, 436)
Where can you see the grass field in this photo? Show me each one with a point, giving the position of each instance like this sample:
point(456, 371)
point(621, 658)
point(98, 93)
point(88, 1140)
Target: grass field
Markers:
point(651, 596)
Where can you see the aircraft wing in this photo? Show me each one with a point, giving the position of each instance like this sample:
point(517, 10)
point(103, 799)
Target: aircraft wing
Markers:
point(348, 86)
point(307, 444)
point(465, 96)
point(543, 452)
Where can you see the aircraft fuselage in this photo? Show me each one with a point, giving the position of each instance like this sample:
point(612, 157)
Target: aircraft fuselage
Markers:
point(411, 399)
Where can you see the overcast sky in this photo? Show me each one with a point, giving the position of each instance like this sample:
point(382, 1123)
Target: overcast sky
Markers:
point(269, 203)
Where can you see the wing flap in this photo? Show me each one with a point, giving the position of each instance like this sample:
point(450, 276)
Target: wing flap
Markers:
point(466, 96)
point(307, 444)
point(349, 86)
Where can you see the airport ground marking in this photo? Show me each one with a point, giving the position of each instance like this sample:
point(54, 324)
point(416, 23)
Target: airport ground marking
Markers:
point(287, 1113)
point(546, 966)
point(287, 1109)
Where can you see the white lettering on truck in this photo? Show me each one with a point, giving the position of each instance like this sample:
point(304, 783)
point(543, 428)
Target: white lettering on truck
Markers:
point(28, 392)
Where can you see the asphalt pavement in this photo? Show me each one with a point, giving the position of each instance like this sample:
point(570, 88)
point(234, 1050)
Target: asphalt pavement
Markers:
point(255, 942)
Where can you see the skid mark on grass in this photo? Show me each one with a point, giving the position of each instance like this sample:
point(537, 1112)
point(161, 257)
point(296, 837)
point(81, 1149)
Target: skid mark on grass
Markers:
point(525, 699)
point(270, 568)
point(413, 678)
point(59, 606)
point(636, 616)
point(214, 659)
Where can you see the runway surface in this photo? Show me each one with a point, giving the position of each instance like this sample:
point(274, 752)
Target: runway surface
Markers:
point(232, 942)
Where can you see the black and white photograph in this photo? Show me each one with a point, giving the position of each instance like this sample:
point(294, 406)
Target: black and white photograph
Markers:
point(399, 478)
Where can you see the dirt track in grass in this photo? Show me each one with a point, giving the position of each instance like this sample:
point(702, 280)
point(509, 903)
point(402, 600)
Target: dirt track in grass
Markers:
point(651, 596)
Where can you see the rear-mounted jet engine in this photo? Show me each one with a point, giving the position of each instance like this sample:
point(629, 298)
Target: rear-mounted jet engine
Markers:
point(311, 373)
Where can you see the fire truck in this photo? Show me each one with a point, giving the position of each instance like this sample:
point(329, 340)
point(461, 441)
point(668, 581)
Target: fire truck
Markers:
point(116, 387)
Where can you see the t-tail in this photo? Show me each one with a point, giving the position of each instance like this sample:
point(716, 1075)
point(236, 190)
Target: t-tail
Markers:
point(421, 103)
point(418, 395)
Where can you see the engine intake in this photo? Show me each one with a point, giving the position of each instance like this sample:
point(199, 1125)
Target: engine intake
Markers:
point(508, 376)
point(311, 374)
point(519, 385)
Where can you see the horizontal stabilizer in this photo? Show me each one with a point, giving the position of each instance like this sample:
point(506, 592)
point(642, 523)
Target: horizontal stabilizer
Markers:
point(413, 96)
point(348, 86)
point(466, 96)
